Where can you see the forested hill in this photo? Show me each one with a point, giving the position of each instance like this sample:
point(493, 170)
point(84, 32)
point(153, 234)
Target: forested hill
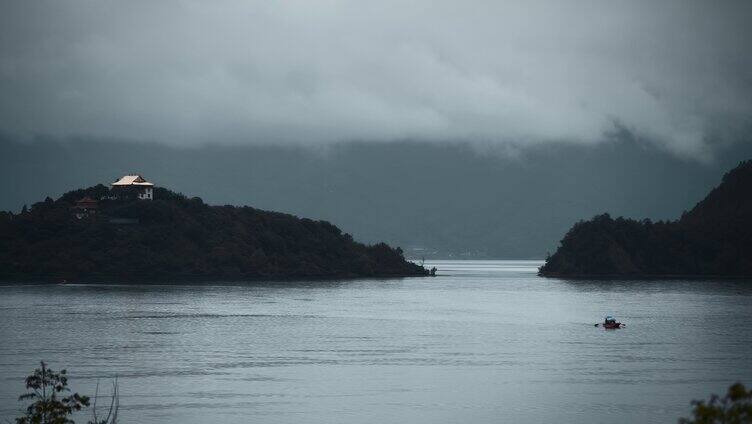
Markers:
point(178, 238)
point(713, 239)
point(435, 200)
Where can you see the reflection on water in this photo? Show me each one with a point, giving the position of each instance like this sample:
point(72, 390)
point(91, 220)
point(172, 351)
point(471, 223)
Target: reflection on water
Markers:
point(484, 342)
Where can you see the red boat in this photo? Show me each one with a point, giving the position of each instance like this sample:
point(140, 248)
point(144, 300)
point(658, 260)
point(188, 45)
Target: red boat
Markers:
point(610, 322)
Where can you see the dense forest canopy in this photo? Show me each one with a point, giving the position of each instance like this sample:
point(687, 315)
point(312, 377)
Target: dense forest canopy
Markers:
point(713, 239)
point(176, 237)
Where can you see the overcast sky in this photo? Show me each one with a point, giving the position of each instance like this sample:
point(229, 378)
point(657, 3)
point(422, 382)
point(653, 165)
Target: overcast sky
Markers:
point(307, 71)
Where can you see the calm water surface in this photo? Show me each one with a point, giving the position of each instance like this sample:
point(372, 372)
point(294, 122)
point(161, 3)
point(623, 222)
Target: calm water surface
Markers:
point(485, 342)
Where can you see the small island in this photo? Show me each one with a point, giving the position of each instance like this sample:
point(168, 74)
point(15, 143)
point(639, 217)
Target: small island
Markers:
point(714, 239)
point(134, 231)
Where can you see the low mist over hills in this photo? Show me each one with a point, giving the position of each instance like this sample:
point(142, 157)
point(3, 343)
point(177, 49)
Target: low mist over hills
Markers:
point(433, 200)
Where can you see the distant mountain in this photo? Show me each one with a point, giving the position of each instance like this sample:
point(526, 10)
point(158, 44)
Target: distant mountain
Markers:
point(713, 239)
point(435, 200)
point(86, 235)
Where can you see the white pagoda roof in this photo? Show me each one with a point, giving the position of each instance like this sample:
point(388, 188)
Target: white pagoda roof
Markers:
point(136, 180)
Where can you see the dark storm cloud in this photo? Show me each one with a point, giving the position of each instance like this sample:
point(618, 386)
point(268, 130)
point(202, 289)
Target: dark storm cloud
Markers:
point(322, 71)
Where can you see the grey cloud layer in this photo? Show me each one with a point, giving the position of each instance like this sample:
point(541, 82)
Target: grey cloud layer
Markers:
point(313, 71)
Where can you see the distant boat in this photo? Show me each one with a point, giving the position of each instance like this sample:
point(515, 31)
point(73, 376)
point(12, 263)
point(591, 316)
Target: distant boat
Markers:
point(610, 323)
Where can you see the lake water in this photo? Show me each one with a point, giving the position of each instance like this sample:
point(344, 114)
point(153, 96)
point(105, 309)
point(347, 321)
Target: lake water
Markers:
point(484, 342)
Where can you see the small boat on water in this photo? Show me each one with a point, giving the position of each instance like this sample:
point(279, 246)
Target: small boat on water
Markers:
point(610, 322)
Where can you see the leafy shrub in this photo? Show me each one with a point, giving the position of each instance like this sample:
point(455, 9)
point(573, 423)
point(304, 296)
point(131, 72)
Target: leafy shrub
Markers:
point(734, 408)
point(47, 390)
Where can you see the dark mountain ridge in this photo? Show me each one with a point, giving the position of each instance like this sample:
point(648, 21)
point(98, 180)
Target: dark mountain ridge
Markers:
point(712, 239)
point(435, 200)
point(87, 236)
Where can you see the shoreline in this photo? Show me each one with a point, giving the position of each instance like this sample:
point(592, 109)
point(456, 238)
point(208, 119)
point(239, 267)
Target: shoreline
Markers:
point(643, 276)
point(191, 279)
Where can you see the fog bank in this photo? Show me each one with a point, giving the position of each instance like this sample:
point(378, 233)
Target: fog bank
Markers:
point(314, 72)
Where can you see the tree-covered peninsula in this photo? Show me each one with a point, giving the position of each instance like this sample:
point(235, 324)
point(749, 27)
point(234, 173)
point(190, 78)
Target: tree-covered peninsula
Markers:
point(92, 235)
point(712, 239)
